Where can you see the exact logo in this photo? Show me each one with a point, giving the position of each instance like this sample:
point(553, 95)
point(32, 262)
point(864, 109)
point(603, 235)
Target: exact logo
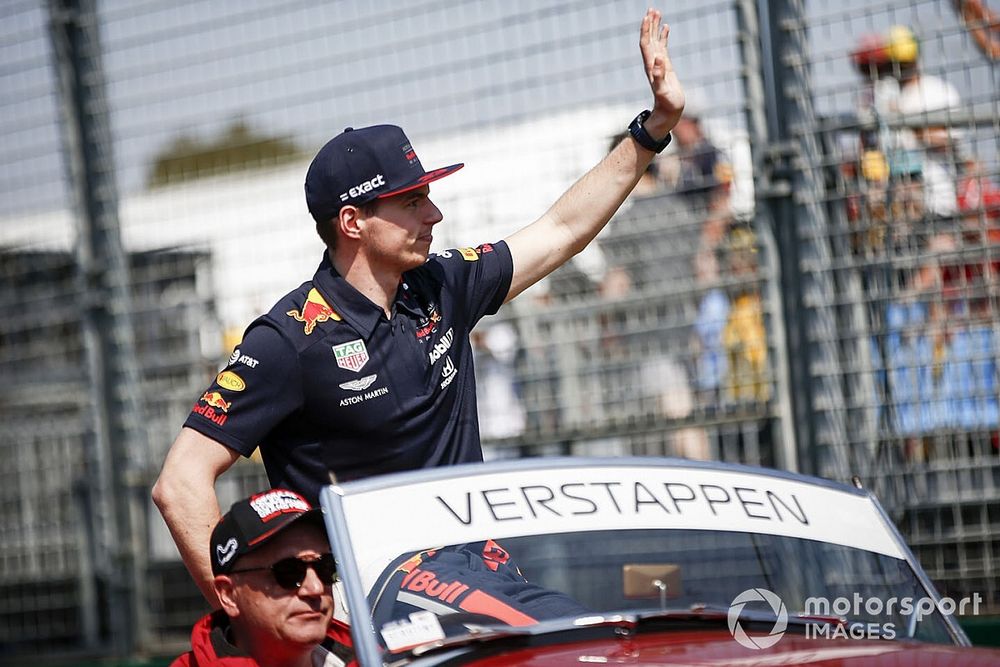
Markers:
point(363, 188)
point(780, 623)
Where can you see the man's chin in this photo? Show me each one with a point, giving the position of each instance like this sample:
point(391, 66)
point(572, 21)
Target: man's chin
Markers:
point(308, 636)
point(308, 628)
point(418, 259)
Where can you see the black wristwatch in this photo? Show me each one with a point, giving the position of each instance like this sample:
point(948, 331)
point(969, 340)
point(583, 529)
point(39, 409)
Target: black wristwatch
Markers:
point(641, 136)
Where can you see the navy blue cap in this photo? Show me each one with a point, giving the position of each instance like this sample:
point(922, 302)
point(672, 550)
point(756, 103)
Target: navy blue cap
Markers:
point(360, 165)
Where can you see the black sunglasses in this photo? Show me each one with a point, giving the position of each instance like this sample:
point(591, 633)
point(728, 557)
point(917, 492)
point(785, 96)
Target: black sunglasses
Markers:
point(291, 572)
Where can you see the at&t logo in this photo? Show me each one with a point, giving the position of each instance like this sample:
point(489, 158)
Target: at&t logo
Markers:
point(762, 641)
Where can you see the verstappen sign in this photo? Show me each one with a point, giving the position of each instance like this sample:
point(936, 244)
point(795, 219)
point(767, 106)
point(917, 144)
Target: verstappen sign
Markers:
point(497, 505)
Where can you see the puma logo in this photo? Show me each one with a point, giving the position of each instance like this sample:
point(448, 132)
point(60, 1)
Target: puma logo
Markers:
point(227, 551)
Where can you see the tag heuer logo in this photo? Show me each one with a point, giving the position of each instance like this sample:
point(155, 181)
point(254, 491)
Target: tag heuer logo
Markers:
point(351, 356)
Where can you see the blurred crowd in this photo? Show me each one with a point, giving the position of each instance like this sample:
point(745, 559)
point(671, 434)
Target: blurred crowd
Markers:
point(925, 219)
point(675, 320)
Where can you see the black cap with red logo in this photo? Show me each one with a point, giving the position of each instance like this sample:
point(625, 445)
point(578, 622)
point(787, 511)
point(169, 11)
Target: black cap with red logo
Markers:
point(363, 164)
point(250, 523)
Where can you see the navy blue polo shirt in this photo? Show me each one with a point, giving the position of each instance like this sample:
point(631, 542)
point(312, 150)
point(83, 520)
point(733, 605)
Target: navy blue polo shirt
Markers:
point(325, 381)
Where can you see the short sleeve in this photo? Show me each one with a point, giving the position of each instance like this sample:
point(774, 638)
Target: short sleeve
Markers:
point(259, 387)
point(479, 278)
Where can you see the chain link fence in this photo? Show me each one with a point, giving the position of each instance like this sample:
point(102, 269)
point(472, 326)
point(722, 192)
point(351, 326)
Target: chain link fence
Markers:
point(909, 247)
point(807, 279)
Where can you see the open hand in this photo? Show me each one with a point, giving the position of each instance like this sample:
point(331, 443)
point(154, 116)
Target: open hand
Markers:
point(668, 96)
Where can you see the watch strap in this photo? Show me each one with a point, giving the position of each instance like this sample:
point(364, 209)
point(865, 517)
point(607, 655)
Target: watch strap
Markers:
point(642, 137)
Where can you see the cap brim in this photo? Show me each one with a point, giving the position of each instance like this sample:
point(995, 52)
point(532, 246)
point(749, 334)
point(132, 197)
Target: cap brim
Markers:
point(428, 177)
point(315, 515)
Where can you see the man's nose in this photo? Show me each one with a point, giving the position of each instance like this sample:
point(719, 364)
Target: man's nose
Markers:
point(312, 585)
point(434, 214)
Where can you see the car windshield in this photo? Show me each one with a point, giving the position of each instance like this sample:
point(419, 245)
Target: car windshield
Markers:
point(519, 544)
point(618, 570)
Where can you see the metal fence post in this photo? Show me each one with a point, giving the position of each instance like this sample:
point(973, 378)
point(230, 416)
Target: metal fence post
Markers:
point(115, 445)
point(749, 28)
point(789, 194)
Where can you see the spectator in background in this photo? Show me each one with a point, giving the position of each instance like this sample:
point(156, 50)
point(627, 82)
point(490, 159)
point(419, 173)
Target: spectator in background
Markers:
point(617, 244)
point(890, 63)
point(501, 412)
point(730, 334)
point(939, 352)
point(698, 170)
point(744, 337)
point(273, 575)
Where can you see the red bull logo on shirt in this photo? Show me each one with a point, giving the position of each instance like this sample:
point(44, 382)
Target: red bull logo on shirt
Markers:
point(314, 311)
point(215, 399)
point(428, 325)
point(422, 581)
point(216, 408)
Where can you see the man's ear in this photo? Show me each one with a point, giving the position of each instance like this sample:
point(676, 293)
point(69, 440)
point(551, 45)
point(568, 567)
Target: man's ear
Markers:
point(351, 221)
point(225, 590)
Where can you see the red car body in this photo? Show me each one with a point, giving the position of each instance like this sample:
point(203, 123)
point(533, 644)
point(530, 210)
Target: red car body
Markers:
point(716, 647)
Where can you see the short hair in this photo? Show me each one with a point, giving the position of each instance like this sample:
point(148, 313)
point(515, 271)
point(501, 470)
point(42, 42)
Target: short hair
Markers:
point(328, 230)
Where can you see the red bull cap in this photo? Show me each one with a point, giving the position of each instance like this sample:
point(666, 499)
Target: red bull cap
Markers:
point(360, 165)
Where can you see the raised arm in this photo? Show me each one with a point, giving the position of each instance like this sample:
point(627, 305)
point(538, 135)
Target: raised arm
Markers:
point(185, 496)
point(583, 210)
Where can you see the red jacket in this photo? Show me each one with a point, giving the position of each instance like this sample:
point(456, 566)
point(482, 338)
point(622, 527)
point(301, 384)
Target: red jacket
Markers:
point(210, 648)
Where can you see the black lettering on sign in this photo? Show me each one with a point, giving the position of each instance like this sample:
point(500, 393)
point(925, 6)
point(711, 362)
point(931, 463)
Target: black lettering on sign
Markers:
point(652, 500)
point(712, 502)
point(686, 499)
point(535, 501)
point(745, 502)
point(800, 515)
point(607, 486)
point(468, 509)
point(593, 505)
point(494, 504)
point(548, 494)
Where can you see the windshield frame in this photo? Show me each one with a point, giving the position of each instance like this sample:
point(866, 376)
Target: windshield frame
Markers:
point(332, 499)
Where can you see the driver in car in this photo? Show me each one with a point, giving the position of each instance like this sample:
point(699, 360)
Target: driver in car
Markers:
point(477, 578)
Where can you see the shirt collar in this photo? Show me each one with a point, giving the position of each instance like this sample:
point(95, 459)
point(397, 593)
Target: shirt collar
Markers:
point(357, 309)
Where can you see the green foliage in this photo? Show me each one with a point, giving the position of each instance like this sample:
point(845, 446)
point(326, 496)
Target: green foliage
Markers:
point(238, 149)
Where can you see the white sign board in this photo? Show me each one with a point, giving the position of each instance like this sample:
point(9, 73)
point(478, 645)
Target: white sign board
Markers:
point(385, 523)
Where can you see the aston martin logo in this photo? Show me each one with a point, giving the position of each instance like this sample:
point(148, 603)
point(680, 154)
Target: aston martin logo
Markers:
point(360, 384)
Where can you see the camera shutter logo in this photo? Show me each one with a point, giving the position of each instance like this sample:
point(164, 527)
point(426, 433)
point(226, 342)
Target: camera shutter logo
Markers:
point(777, 606)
